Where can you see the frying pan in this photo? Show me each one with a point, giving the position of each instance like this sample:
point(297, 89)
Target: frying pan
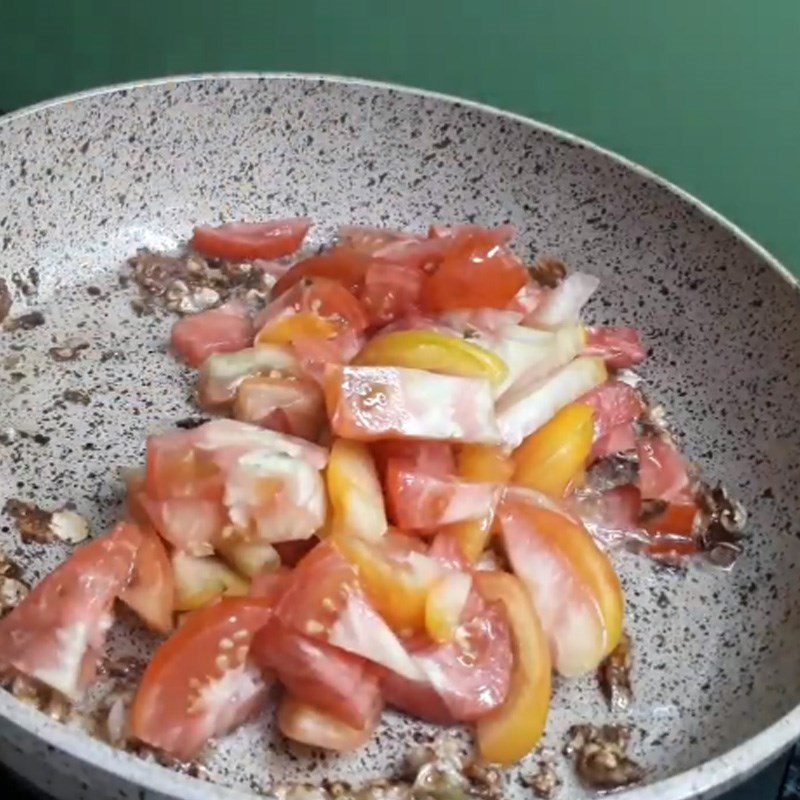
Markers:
point(86, 180)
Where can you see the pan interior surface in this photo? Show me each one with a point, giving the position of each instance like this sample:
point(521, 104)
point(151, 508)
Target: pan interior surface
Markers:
point(83, 184)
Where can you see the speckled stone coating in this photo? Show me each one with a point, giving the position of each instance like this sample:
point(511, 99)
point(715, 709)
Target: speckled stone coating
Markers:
point(85, 181)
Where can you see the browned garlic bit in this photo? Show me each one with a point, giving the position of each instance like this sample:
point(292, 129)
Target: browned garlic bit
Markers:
point(188, 284)
point(68, 351)
point(548, 272)
point(37, 525)
point(600, 755)
point(614, 675)
point(543, 780)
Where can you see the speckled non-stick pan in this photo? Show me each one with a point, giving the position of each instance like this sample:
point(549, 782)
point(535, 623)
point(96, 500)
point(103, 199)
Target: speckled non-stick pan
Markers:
point(87, 180)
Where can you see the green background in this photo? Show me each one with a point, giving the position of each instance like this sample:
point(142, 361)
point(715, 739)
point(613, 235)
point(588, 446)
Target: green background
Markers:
point(704, 92)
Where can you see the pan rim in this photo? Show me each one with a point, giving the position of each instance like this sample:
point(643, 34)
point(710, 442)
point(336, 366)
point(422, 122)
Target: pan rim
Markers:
point(705, 780)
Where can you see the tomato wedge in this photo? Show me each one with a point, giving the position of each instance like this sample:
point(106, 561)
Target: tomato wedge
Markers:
point(436, 352)
point(510, 732)
point(390, 291)
point(620, 347)
point(355, 491)
point(551, 459)
point(57, 633)
point(471, 674)
point(344, 264)
point(151, 591)
point(219, 330)
point(478, 274)
point(309, 725)
point(200, 682)
point(572, 583)
point(241, 241)
point(319, 674)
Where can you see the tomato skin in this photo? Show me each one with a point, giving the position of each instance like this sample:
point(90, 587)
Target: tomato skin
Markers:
point(319, 674)
point(176, 709)
point(241, 241)
point(219, 330)
point(57, 633)
point(151, 591)
point(512, 730)
point(479, 274)
point(343, 264)
point(311, 726)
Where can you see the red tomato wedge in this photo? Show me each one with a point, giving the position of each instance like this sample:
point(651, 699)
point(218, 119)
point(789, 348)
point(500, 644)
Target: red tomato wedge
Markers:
point(318, 674)
point(368, 239)
point(663, 473)
point(619, 439)
point(175, 469)
point(324, 600)
point(432, 458)
point(345, 265)
point(318, 307)
point(314, 353)
point(200, 682)
point(311, 726)
point(151, 591)
point(372, 403)
point(477, 274)
point(186, 523)
point(57, 633)
point(500, 235)
point(219, 330)
point(242, 241)
point(620, 347)
point(391, 291)
point(471, 674)
point(417, 501)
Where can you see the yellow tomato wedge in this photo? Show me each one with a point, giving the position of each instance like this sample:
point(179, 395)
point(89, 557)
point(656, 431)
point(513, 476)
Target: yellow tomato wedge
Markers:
point(552, 459)
point(444, 604)
point(395, 577)
point(488, 464)
point(199, 580)
point(285, 329)
point(511, 731)
point(484, 462)
point(435, 352)
point(355, 491)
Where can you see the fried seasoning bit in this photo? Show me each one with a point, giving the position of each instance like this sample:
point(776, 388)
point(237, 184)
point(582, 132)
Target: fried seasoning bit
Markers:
point(548, 272)
point(5, 300)
point(69, 351)
point(123, 668)
point(7, 567)
point(12, 592)
point(722, 525)
point(614, 675)
point(600, 755)
point(26, 322)
point(544, 780)
point(485, 780)
point(32, 522)
point(77, 396)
